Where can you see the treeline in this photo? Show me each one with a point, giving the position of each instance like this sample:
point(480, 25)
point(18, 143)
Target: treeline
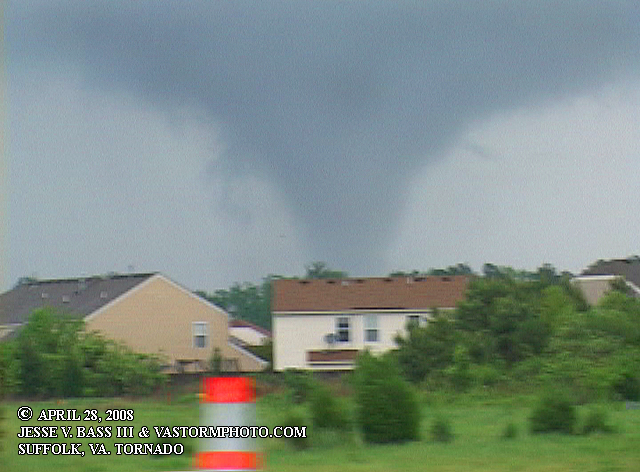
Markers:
point(52, 356)
point(252, 302)
point(533, 328)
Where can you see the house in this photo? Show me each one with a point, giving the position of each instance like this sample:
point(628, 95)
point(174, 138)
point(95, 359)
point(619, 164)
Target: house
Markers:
point(244, 333)
point(322, 324)
point(596, 280)
point(148, 312)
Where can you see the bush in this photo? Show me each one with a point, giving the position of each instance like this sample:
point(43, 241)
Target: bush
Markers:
point(300, 384)
point(510, 431)
point(627, 386)
point(441, 431)
point(554, 413)
point(388, 410)
point(596, 422)
point(54, 356)
point(296, 419)
point(326, 410)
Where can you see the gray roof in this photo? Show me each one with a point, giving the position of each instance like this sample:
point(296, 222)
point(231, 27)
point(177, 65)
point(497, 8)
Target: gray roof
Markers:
point(628, 268)
point(76, 297)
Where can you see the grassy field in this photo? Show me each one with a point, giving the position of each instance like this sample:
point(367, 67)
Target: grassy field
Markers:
point(477, 423)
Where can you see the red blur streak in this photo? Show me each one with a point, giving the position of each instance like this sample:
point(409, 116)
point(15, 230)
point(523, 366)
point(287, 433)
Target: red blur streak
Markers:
point(229, 460)
point(228, 390)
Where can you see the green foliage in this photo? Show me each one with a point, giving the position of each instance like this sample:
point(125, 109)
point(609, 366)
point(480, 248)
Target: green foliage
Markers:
point(388, 409)
point(459, 373)
point(486, 375)
point(326, 410)
point(501, 316)
point(596, 421)
point(627, 386)
point(441, 430)
point(215, 362)
point(53, 356)
point(264, 351)
point(553, 413)
point(295, 418)
point(427, 349)
point(300, 382)
point(510, 431)
point(245, 301)
point(458, 269)
point(320, 270)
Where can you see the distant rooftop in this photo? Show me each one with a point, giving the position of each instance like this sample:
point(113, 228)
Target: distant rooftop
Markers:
point(628, 268)
point(374, 293)
point(76, 297)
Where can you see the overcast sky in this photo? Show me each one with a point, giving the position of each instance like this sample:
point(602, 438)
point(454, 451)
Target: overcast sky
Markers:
point(220, 141)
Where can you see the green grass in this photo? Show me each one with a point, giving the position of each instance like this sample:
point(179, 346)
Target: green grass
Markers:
point(478, 424)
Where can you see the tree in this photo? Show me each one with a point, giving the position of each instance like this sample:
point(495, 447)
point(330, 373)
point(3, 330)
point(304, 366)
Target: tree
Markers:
point(426, 349)
point(320, 270)
point(245, 301)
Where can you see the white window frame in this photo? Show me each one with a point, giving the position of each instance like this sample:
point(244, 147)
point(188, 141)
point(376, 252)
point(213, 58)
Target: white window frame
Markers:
point(200, 330)
point(371, 327)
point(340, 321)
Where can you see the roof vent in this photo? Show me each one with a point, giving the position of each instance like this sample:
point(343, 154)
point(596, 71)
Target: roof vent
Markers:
point(45, 295)
point(66, 299)
point(103, 294)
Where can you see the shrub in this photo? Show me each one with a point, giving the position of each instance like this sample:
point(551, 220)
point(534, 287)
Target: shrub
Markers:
point(326, 410)
point(295, 419)
point(510, 431)
point(54, 356)
point(215, 362)
point(300, 384)
point(441, 430)
point(627, 386)
point(388, 410)
point(554, 413)
point(596, 422)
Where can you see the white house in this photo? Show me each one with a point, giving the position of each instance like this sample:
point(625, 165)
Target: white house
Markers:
point(322, 324)
point(244, 333)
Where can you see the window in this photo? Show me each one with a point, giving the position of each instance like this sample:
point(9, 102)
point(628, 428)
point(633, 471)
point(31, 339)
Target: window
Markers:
point(200, 333)
point(342, 329)
point(370, 328)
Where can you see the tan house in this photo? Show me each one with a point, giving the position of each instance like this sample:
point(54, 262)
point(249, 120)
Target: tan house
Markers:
point(596, 280)
point(148, 312)
point(322, 324)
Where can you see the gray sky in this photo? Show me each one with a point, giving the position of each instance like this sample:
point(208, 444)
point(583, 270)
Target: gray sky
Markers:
point(222, 141)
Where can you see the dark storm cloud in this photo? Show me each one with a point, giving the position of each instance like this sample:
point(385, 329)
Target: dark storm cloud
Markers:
point(337, 103)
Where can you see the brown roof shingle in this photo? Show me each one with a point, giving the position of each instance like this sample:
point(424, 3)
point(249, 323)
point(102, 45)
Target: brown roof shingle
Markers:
point(304, 295)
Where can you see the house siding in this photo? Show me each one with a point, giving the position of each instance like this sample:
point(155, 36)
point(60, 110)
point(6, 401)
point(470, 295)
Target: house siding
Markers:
point(297, 334)
point(157, 318)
